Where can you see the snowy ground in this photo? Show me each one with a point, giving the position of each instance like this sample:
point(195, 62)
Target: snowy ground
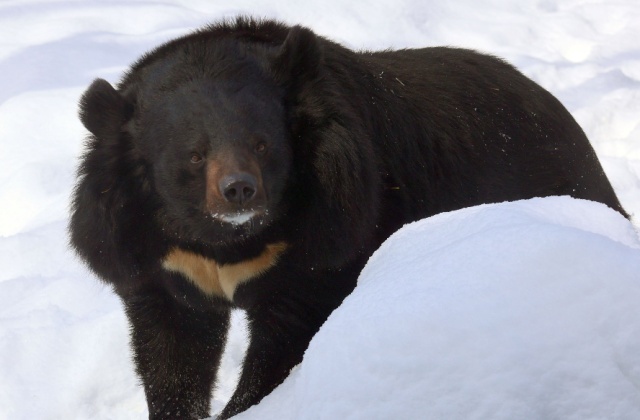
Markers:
point(523, 310)
point(63, 336)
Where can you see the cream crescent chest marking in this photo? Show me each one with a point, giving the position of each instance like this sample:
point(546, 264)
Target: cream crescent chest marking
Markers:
point(221, 280)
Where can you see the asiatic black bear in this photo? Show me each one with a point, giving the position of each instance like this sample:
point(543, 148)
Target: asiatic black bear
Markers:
point(258, 166)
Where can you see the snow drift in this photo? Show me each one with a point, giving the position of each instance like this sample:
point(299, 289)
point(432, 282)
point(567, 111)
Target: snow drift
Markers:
point(524, 310)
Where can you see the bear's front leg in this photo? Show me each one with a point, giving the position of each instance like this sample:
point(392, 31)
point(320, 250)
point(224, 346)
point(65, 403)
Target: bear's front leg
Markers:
point(177, 353)
point(282, 320)
point(275, 347)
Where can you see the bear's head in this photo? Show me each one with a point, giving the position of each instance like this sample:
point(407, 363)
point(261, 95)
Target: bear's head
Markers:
point(229, 137)
point(208, 127)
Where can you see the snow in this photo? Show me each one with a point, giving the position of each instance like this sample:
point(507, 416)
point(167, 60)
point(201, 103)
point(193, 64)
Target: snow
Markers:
point(238, 219)
point(520, 310)
point(524, 310)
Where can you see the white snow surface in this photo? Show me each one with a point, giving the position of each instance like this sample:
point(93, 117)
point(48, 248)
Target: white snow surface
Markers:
point(524, 310)
point(510, 311)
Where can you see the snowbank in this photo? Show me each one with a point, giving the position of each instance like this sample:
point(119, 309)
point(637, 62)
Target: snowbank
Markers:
point(524, 310)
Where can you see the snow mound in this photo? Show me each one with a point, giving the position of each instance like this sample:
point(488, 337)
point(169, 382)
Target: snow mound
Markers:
point(523, 310)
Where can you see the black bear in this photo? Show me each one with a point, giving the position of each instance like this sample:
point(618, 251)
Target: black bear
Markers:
point(257, 166)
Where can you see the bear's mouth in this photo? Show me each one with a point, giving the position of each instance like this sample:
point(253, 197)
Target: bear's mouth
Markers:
point(239, 218)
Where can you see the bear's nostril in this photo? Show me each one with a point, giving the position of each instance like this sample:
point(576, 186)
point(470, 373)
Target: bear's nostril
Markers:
point(239, 188)
point(248, 192)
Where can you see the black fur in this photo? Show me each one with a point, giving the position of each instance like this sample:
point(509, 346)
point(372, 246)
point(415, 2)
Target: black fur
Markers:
point(357, 145)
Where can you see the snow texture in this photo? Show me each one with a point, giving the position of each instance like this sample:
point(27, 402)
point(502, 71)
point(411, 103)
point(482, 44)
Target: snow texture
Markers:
point(521, 310)
point(524, 310)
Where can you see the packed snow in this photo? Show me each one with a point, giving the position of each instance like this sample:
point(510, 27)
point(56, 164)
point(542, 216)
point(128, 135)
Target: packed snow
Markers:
point(522, 310)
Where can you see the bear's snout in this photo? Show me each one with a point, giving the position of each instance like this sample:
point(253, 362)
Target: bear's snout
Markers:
point(239, 188)
point(235, 192)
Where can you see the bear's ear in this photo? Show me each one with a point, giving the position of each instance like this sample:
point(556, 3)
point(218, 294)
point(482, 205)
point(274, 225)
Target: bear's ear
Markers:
point(103, 110)
point(299, 57)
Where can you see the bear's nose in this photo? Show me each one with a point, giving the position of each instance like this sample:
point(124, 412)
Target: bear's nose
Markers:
point(238, 188)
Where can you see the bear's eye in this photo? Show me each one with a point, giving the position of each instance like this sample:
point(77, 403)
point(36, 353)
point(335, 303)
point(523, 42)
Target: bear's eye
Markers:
point(196, 158)
point(261, 148)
